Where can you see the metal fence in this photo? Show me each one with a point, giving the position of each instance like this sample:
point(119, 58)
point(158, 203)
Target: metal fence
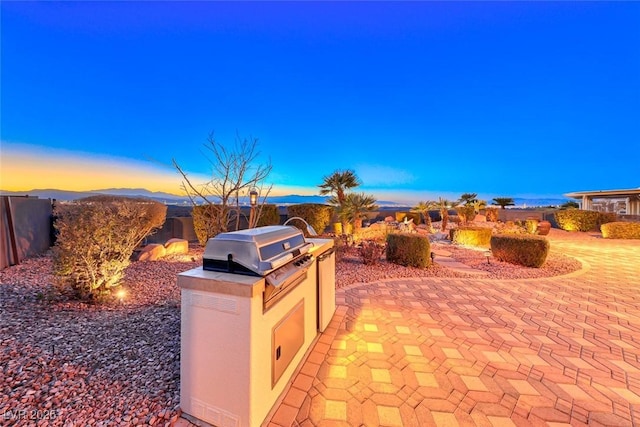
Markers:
point(25, 228)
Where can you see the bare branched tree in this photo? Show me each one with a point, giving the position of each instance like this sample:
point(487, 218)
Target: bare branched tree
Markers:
point(233, 173)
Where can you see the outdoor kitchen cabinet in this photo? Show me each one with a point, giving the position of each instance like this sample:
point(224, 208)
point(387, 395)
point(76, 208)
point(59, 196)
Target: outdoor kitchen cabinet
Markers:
point(237, 357)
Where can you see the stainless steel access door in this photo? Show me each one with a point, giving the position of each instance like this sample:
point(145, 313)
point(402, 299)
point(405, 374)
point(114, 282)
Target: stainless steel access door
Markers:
point(287, 338)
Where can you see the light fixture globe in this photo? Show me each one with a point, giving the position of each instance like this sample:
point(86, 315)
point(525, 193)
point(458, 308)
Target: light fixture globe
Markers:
point(253, 196)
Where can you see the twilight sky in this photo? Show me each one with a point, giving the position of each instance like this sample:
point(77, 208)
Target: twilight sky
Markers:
point(421, 99)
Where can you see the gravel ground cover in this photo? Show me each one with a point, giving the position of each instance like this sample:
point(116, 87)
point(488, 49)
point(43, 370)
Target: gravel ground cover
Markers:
point(351, 270)
point(66, 363)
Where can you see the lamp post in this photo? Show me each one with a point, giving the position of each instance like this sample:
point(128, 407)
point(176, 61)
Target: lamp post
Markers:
point(253, 201)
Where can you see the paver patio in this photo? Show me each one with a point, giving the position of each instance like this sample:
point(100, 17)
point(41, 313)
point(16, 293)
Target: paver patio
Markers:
point(447, 352)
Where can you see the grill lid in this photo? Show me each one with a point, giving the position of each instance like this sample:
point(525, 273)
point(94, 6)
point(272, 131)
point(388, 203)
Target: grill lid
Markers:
point(255, 251)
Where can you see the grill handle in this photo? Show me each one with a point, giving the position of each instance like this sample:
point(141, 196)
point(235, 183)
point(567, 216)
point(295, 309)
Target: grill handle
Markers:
point(230, 268)
point(326, 254)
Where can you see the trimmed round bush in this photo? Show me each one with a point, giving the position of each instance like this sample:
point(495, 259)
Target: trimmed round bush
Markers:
point(579, 220)
point(466, 213)
point(621, 230)
point(491, 214)
point(269, 215)
point(407, 249)
point(472, 236)
point(317, 215)
point(522, 249)
point(531, 225)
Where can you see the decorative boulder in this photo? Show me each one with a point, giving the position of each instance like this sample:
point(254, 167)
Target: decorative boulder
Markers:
point(176, 246)
point(152, 252)
point(480, 218)
point(389, 219)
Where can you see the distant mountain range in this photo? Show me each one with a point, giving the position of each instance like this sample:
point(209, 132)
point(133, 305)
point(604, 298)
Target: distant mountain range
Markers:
point(167, 198)
point(174, 199)
point(63, 195)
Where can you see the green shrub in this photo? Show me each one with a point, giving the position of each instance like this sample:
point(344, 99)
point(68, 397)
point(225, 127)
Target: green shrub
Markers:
point(411, 250)
point(509, 227)
point(318, 216)
point(621, 230)
point(376, 232)
point(415, 216)
point(579, 220)
point(466, 213)
point(527, 250)
point(269, 215)
point(96, 238)
point(371, 251)
point(531, 225)
point(205, 222)
point(492, 214)
point(473, 236)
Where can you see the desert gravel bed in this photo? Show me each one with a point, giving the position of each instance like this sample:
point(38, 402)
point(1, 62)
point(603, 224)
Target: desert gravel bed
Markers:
point(71, 364)
point(351, 270)
point(65, 363)
point(556, 264)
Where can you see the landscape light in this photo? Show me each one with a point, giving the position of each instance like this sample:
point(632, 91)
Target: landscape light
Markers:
point(433, 256)
point(121, 294)
point(488, 255)
point(253, 201)
point(253, 196)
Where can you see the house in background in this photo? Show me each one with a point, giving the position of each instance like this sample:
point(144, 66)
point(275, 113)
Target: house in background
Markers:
point(624, 202)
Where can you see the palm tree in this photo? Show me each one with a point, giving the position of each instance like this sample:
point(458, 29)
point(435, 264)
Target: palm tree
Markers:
point(503, 202)
point(444, 205)
point(468, 198)
point(337, 183)
point(355, 206)
point(472, 199)
point(424, 208)
point(479, 204)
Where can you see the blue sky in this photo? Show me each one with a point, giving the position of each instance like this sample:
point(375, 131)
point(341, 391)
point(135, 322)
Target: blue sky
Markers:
point(420, 99)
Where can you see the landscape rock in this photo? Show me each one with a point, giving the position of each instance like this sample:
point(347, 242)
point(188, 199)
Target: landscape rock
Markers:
point(176, 246)
point(152, 252)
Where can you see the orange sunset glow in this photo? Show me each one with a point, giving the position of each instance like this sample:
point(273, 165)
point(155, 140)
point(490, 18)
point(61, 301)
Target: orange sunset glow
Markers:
point(26, 168)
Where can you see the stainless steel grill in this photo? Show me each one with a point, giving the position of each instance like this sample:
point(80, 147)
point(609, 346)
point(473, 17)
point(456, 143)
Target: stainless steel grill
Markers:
point(280, 254)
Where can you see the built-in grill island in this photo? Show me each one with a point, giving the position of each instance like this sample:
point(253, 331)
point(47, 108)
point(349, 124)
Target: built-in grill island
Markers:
point(249, 315)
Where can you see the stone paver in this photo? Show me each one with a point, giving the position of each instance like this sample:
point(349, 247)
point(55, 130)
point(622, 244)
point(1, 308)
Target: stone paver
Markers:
point(555, 352)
